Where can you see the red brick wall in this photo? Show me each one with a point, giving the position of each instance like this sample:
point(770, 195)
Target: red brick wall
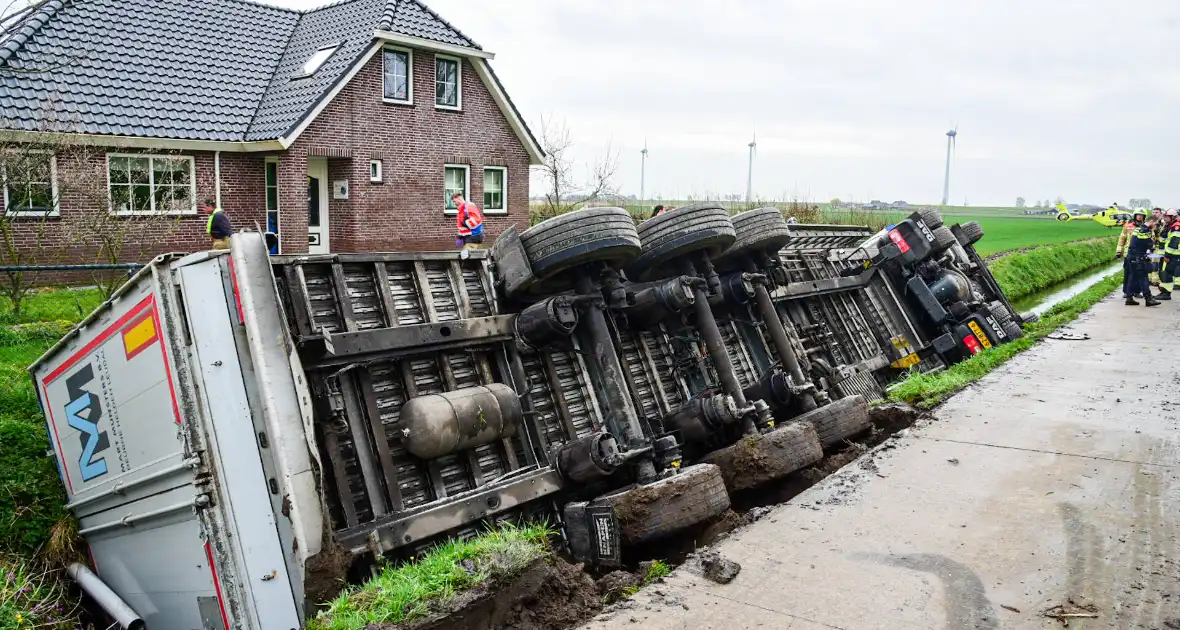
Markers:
point(405, 212)
point(78, 237)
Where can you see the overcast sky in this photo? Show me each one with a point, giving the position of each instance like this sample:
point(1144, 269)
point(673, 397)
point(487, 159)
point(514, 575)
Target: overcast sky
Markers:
point(852, 98)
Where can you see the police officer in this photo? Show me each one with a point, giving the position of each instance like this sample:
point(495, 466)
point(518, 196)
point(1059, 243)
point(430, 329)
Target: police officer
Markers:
point(1136, 265)
point(1170, 267)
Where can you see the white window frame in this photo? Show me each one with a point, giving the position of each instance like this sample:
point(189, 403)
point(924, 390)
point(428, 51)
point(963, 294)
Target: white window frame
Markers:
point(378, 176)
point(458, 107)
point(503, 191)
point(466, 186)
point(409, 76)
point(53, 212)
point(192, 184)
point(278, 197)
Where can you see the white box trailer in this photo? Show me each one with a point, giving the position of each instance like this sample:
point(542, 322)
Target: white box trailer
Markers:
point(176, 412)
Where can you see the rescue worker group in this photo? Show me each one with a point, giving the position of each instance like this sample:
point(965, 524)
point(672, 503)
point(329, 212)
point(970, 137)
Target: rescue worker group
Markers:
point(1150, 248)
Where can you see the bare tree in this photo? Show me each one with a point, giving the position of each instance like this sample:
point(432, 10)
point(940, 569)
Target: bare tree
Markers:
point(30, 204)
point(1020, 202)
point(563, 191)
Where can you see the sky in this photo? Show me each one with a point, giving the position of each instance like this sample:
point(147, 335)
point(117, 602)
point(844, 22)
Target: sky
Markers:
point(851, 98)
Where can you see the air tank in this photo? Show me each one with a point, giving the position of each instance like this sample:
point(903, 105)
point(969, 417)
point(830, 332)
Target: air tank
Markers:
point(440, 424)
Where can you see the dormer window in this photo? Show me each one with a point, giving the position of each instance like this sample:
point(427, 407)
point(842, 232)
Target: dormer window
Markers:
point(316, 60)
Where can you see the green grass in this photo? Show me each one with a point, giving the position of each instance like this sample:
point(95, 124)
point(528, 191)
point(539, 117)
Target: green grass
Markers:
point(33, 598)
point(928, 390)
point(1026, 273)
point(52, 305)
point(656, 570)
point(423, 585)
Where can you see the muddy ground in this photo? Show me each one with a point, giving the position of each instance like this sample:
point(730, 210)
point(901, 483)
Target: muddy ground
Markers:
point(554, 593)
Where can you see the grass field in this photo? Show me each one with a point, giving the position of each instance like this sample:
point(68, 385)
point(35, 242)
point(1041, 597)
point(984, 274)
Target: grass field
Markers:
point(1005, 229)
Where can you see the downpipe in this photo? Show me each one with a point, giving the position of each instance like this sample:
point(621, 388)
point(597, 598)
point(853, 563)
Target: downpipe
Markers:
point(106, 599)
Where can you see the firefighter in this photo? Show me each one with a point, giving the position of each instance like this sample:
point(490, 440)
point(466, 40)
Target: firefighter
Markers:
point(1159, 231)
point(1171, 262)
point(1137, 219)
point(1136, 265)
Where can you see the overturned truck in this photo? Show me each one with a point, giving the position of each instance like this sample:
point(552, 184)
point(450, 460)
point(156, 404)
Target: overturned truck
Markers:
point(239, 434)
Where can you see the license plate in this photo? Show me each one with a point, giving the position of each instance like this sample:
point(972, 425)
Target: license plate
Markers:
point(983, 340)
point(908, 361)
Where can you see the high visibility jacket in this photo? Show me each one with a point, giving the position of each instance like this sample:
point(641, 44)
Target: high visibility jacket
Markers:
point(469, 219)
point(219, 225)
point(1172, 241)
point(1124, 238)
point(1141, 242)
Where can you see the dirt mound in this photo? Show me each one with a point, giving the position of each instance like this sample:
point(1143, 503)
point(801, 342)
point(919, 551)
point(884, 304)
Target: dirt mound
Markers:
point(550, 593)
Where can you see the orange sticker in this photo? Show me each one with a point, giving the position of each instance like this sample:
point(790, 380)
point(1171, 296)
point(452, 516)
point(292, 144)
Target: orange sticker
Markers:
point(139, 335)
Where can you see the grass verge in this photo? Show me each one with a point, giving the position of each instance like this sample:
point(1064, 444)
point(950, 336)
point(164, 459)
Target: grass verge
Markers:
point(416, 589)
point(33, 598)
point(928, 390)
point(1029, 272)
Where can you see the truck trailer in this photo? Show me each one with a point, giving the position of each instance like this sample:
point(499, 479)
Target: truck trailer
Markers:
point(241, 434)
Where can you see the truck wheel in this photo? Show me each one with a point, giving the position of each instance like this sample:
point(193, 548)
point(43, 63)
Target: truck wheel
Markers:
point(757, 459)
point(931, 217)
point(763, 229)
point(1028, 317)
point(943, 239)
point(700, 227)
point(972, 232)
point(579, 237)
point(999, 311)
point(667, 506)
point(838, 421)
point(1012, 329)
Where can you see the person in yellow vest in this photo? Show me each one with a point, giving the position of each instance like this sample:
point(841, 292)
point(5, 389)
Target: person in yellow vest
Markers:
point(219, 228)
point(1171, 263)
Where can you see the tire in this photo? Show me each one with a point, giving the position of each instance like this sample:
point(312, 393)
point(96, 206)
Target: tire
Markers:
point(761, 230)
point(700, 227)
point(838, 421)
point(1000, 312)
point(1013, 330)
point(758, 459)
point(944, 238)
point(972, 232)
point(659, 509)
point(579, 237)
point(1028, 317)
point(931, 217)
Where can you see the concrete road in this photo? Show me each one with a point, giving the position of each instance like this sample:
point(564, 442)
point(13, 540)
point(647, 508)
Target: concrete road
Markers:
point(1053, 479)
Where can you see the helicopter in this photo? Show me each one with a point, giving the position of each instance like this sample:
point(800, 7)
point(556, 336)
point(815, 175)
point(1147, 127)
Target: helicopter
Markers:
point(1113, 216)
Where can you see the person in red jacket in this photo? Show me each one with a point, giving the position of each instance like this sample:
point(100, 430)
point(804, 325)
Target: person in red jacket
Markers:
point(469, 222)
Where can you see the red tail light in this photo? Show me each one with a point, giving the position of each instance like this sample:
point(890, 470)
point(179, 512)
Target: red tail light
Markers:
point(899, 240)
point(972, 344)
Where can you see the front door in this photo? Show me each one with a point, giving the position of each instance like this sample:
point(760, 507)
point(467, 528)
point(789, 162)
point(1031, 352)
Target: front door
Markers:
point(317, 206)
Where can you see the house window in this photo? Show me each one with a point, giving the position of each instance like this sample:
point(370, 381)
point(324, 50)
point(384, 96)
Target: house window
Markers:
point(398, 73)
point(151, 183)
point(29, 184)
point(375, 173)
point(455, 180)
point(495, 189)
point(446, 83)
point(316, 60)
point(272, 200)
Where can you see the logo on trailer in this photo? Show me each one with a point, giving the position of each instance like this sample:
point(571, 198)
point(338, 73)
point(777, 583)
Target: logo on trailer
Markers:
point(84, 412)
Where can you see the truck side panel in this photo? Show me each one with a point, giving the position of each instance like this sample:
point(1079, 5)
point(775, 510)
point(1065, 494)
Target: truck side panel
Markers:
point(243, 495)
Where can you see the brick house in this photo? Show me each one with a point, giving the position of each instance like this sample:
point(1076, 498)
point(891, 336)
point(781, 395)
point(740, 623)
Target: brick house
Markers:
point(343, 128)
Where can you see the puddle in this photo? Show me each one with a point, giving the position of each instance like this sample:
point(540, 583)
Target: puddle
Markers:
point(1046, 299)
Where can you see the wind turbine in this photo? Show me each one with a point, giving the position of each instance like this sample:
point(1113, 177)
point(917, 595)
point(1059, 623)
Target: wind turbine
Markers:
point(643, 171)
point(750, 172)
point(950, 148)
